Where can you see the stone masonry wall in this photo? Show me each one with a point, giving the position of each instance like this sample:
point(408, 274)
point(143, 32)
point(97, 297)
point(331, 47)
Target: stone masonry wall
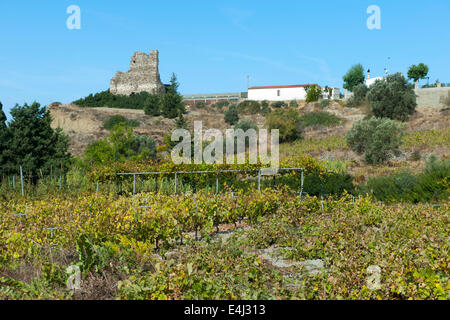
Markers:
point(142, 76)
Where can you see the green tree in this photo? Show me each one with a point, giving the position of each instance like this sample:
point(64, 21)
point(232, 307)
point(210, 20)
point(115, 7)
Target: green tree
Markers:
point(32, 142)
point(353, 77)
point(417, 72)
point(231, 115)
point(313, 93)
point(378, 139)
point(172, 101)
point(152, 105)
point(392, 98)
point(4, 138)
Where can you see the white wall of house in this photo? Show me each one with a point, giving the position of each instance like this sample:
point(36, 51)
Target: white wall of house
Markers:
point(277, 94)
point(371, 81)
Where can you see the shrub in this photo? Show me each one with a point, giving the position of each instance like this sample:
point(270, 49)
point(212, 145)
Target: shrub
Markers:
point(121, 145)
point(279, 104)
point(119, 119)
point(222, 104)
point(377, 138)
point(249, 107)
point(200, 105)
point(313, 93)
point(293, 104)
point(231, 115)
point(288, 122)
point(246, 125)
point(152, 105)
point(359, 96)
point(144, 147)
point(430, 185)
point(265, 109)
point(314, 119)
point(392, 98)
point(325, 103)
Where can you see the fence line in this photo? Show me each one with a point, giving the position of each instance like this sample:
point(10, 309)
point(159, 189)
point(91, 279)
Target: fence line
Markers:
point(217, 172)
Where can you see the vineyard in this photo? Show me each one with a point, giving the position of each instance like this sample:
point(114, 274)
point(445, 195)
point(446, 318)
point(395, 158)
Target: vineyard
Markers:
point(268, 244)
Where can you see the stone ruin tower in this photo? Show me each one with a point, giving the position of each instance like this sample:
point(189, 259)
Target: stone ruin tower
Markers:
point(142, 76)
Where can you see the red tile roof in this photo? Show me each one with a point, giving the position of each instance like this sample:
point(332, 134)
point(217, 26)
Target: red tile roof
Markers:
point(278, 87)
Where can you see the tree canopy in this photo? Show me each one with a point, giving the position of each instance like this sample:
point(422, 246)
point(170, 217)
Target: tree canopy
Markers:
point(392, 98)
point(353, 77)
point(29, 141)
point(417, 72)
point(172, 102)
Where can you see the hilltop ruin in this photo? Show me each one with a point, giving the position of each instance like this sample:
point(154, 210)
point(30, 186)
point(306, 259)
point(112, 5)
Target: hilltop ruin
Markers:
point(142, 76)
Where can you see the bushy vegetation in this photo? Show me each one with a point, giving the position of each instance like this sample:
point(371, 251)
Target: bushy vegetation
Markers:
point(325, 103)
point(249, 107)
point(112, 121)
point(246, 125)
point(29, 141)
point(392, 98)
point(121, 145)
point(378, 139)
point(231, 116)
point(279, 104)
point(287, 121)
point(431, 185)
point(265, 107)
point(359, 96)
point(152, 105)
point(200, 105)
point(107, 99)
point(221, 104)
point(317, 119)
point(313, 93)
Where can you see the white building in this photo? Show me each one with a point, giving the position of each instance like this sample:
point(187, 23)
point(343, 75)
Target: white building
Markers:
point(371, 81)
point(278, 93)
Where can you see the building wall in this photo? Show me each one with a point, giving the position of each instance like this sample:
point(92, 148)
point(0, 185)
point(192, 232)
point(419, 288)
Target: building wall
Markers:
point(271, 94)
point(432, 97)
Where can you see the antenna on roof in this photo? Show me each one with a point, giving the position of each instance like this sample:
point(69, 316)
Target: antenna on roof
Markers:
point(248, 81)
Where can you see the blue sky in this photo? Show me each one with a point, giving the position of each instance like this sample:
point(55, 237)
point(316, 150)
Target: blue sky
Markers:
point(212, 46)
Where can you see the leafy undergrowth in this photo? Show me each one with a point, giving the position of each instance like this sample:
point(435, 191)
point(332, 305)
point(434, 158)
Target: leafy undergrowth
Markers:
point(126, 251)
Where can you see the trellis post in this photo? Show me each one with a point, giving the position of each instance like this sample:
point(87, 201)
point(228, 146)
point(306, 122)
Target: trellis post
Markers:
point(21, 181)
point(259, 180)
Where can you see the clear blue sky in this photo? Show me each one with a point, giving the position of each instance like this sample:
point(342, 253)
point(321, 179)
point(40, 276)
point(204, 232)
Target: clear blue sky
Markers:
point(212, 46)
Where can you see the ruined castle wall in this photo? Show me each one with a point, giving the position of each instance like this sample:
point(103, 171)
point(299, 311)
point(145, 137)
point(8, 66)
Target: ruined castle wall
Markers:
point(142, 76)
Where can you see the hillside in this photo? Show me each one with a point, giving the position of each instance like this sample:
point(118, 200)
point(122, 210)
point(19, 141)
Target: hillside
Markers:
point(85, 125)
